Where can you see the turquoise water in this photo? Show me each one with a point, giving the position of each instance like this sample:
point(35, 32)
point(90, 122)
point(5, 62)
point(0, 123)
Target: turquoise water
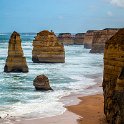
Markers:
point(17, 94)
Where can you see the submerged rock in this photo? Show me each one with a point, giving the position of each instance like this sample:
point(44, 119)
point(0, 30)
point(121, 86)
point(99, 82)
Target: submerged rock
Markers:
point(41, 82)
point(113, 80)
point(15, 62)
point(47, 49)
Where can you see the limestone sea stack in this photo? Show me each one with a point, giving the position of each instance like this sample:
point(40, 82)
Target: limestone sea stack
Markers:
point(41, 82)
point(66, 38)
point(15, 62)
point(88, 39)
point(99, 39)
point(113, 80)
point(47, 49)
point(79, 39)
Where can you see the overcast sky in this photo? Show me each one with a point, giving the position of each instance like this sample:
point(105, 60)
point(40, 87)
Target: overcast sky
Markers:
point(60, 15)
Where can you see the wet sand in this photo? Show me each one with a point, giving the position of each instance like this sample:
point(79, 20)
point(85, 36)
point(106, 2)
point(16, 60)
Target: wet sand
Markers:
point(83, 110)
point(66, 118)
point(90, 109)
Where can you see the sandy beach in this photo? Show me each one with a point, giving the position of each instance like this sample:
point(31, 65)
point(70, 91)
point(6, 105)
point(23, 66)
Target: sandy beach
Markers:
point(82, 110)
point(90, 109)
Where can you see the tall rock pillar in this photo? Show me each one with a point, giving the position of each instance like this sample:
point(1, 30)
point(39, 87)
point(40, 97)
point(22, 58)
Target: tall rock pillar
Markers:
point(15, 61)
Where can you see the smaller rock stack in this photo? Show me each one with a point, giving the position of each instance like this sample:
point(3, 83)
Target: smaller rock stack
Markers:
point(15, 61)
point(66, 38)
point(47, 49)
point(41, 82)
point(79, 39)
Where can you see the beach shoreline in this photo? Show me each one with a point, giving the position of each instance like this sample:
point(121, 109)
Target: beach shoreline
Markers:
point(90, 110)
point(76, 105)
point(77, 111)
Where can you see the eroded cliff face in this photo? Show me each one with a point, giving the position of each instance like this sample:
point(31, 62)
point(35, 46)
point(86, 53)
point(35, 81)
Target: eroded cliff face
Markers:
point(15, 62)
point(47, 49)
point(99, 39)
point(79, 39)
point(113, 80)
point(88, 39)
point(66, 38)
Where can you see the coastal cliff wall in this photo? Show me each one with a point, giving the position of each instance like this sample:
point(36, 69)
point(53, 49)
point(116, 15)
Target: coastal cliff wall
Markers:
point(88, 39)
point(113, 80)
point(66, 38)
point(15, 62)
point(47, 49)
point(99, 39)
point(79, 39)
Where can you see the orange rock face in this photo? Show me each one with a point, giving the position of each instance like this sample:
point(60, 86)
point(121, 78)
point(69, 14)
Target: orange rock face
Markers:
point(79, 39)
point(88, 39)
point(113, 80)
point(47, 49)
point(15, 61)
point(66, 38)
point(99, 39)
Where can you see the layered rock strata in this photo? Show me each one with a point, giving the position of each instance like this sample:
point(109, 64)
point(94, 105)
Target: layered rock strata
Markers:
point(99, 39)
point(47, 49)
point(41, 82)
point(113, 80)
point(88, 39)
point(15, 62)
point(66, 38)
point(79, 39)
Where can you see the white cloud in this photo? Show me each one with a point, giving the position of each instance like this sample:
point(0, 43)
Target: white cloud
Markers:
point(109, 13)
point(119, 3)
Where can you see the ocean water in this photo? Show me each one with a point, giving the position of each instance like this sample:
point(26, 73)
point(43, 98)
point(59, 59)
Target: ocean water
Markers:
point(18, 97)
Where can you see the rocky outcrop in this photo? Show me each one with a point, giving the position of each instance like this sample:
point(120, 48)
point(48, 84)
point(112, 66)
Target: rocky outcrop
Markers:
point(113, 80)
point(47, 49)
point(15, 62)
point(41, 82)
point(99, 39)
point(79, 39)
point(66, 38)
point(88, 39)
